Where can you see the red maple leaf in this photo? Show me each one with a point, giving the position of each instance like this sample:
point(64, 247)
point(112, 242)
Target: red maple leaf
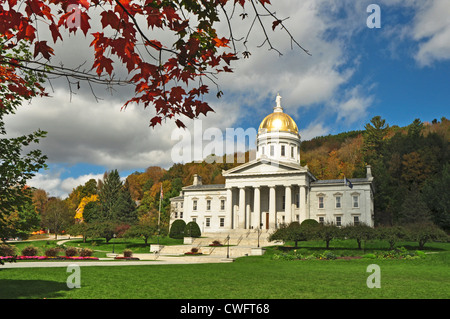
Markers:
point(42, 48)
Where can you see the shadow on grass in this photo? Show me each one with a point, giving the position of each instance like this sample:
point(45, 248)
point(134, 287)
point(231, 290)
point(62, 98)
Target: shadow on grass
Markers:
point(31, 289)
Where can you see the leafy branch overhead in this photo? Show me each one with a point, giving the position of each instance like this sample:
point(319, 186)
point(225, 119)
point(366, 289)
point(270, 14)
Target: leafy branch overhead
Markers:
point(168, 75)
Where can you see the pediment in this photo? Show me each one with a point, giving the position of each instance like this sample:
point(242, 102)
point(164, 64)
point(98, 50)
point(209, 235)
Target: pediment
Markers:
point(264, 167)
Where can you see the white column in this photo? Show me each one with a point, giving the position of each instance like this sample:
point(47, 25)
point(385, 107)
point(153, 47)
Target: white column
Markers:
point(241, 218)
point(272, 207)
point(288, 205)
point(257, 207)
point(302, 199)
point(229, 209)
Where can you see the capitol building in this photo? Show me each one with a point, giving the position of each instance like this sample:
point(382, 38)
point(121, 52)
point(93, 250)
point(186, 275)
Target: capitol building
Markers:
point(274, 189)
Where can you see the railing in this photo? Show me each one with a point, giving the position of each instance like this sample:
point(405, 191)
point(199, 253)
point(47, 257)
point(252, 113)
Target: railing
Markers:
point(239, 240)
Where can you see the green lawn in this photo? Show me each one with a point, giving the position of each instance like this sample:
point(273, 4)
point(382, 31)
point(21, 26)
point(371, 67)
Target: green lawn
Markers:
point(248, 277)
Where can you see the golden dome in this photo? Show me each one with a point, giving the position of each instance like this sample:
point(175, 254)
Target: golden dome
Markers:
point(279, 121)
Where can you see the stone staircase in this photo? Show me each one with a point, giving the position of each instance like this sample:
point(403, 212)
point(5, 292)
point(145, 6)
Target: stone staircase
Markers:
point(242, 243)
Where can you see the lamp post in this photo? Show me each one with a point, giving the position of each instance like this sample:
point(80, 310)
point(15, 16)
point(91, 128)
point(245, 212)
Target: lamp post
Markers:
point(114, 236)
point(228, 246)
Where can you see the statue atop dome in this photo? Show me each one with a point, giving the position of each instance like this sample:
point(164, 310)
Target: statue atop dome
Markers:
point(278, 107)
point(278, 100)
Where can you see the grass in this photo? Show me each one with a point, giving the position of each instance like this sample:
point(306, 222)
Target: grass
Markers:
point(100, 246)
point(257, 277)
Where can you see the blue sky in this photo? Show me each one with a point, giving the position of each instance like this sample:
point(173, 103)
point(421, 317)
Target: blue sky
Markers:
point(400, 71)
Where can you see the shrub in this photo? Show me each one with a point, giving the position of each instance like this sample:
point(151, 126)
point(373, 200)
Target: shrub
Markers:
point(328, 255)
point(71, 251)
point(127, 253)
point(30, 251)
point(7, 250)
point(86, 252)
point(370, 256)
point(192, 230)
point(309, 222)
point(177, 229)
point(216, 243)
point(52, 252)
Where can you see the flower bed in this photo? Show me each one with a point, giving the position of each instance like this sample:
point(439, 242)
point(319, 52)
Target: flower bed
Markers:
point(126, 258)
point(47, 258)
point(193, 253)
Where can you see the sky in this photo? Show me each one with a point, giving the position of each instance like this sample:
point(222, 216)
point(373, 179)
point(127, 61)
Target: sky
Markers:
point(399, 71)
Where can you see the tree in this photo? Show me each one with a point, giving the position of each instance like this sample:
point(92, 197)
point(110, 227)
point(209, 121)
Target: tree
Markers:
point(414, 209)
point(374, 135)
point(425, 232)
point(167, 74)
point(359, 232)
point(57, 216)
point(392, 234)
point(103, 229)
point(20, 222)
point(437, 197)
point(328, 232)
point(138, 231)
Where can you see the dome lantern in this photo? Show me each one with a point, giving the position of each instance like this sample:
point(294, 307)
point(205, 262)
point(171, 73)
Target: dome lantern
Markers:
point(278, 138)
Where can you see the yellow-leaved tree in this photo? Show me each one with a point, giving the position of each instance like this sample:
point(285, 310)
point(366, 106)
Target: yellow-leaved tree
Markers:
point(80, 209)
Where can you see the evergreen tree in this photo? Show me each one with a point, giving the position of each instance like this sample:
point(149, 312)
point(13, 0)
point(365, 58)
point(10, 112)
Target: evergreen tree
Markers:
point(109, 194)
point(124, 209)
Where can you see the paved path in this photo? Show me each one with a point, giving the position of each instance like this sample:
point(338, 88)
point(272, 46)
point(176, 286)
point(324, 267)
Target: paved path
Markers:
point(166, 260)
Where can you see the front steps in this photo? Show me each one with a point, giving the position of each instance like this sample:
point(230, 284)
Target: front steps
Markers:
point(242, 243)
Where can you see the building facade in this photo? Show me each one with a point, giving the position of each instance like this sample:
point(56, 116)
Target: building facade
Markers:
point(274, 189)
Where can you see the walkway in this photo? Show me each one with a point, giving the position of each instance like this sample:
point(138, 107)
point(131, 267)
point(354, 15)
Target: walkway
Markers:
point(161, 261)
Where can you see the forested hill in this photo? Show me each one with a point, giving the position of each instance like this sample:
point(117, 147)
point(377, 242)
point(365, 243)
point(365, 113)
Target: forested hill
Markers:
point(411, 166)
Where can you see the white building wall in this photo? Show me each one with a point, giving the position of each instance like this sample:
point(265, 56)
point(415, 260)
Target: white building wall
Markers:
point(347, 212)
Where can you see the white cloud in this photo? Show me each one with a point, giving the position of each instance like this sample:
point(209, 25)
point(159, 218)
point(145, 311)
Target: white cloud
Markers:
point(56, 186)
point(314, 130)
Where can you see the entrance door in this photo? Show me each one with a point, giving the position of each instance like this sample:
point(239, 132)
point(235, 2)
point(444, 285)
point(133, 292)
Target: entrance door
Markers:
point(267, 220)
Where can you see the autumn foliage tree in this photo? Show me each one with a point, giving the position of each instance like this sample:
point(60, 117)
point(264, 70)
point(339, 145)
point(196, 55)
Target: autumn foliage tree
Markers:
point(171, 74)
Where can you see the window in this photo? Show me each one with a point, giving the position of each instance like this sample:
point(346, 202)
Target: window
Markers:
point(272, 150)
point(194, 205)
point(283, 150)
point(262, 150)
point(297, 200)
point(355, 201)
point(321, 220)
point(194, 219)
point(176, 215)
point(222, 204)
point(292, 151)
point(356, 220)
point(181, 205)
point(208, 222)
point(176, 205)
point(222, 222)
point(338, 220)
point(338, 202)
point(181, 215)
point(283, 203)
point(208, 204)
point(321, 202)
